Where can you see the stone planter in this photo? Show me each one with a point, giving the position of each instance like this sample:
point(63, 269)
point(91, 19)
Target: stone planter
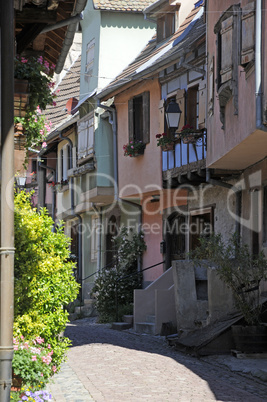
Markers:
point(250, 338)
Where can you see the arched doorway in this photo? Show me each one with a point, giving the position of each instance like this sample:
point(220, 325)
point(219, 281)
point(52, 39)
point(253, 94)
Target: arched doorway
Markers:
point(175, 238)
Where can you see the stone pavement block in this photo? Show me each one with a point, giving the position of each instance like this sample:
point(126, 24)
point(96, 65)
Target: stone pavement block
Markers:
point(121, 366)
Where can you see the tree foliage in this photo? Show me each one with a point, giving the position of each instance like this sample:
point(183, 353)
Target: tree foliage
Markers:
point(114, 286)
point(44, 281)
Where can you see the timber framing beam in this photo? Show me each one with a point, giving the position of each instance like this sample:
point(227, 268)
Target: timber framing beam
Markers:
point(27, 35)
point(28, 15)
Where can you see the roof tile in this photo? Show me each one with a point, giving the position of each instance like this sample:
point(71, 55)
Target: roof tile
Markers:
point(122, 5)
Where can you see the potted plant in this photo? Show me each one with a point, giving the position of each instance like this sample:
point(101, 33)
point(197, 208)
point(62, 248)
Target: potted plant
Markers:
point(38, 73)
point(189, 135)
point(166, 143)
point(134, 148)
point(242, 272)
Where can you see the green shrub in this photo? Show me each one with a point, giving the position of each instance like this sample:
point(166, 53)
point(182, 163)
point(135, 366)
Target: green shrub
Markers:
point(44, 283)
point(114, 286)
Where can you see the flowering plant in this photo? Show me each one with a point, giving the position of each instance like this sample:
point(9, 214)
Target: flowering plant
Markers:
point(187, 129)
point(163, 139)
point(39, 74)
point(30, 395)
point(33, 361)
point(35, 126)
point(134, 148)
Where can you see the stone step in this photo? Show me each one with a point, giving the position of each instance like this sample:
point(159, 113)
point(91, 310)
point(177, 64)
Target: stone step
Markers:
point(151, 318)
point(145, 328)
point(128, 319)
point(88, 310)
point(120, 326)
point(88, 301)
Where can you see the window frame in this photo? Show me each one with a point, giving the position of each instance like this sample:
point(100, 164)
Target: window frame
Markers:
point(143, 136)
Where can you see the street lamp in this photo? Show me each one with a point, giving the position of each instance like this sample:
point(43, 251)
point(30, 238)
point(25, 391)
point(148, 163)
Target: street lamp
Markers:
point(21, 181)
point(173, 114)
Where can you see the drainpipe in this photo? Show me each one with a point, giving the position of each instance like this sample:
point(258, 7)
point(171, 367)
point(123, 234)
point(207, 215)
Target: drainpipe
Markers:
point(236, 190)
point(75, 214)
point(99, 213)
point(113, 122)
point(258, 61)
point(63, 23)
point(7, 202)
point(42, 165)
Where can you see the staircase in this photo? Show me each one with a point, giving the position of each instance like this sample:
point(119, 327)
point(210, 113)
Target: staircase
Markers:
point(88, 309)
point(155, 305)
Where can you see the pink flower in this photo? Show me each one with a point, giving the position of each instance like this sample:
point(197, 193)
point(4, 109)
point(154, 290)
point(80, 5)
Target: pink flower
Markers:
point(44, 144)
point(49, 346)
point(54, 103)
point(16, 347)
point(41, 375)
point(39, 340)
point(54, 368)
point(34, 358)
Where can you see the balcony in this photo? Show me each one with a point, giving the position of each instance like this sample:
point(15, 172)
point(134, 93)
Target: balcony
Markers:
point(185, 164)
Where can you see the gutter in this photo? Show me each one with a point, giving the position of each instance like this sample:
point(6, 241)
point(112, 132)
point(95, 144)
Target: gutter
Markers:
point(258, 68)
point(79, 7)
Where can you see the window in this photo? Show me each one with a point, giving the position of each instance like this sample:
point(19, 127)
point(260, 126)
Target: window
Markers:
point(64, 162)
point(248, 34)
point(227, 30)
point(201, 223)
point(166, 25)
point(139, 118)
point(86, 138)
point(90, 52)
point(192, 104)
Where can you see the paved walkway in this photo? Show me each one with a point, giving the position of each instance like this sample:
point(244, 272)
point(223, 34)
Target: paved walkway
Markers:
point(119, 366)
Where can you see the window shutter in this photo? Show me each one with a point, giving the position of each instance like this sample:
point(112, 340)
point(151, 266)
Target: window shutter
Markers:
point(146, 117)
point(61, 165)
point(161, 128)
point(191, 116)
point(202, 104)
point(248, 33)
point(226, 49)
point(131, 119)
point(211, 88)
point(180, 99)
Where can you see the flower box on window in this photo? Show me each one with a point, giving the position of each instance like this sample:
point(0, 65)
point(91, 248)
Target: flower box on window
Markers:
point(189, 135)
point(134, 148)
point(166, 143)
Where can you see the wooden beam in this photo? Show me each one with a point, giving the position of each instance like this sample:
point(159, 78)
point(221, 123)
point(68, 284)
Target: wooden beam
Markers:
point(35, 15)
point(27, 35)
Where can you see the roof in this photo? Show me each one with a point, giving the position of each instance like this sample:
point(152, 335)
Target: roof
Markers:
point(122, 5)
point(154, 55)
point(68, 88)
point(32, 18)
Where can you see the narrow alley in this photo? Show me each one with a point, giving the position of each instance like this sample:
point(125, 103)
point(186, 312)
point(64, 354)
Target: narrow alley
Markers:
point(108, 365)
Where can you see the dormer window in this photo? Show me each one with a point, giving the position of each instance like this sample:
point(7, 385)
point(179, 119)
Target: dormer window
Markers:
point(166, 14)
point(166, 25)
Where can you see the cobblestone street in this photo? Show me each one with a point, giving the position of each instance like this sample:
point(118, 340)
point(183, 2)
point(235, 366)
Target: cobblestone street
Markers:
point(108, 365)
